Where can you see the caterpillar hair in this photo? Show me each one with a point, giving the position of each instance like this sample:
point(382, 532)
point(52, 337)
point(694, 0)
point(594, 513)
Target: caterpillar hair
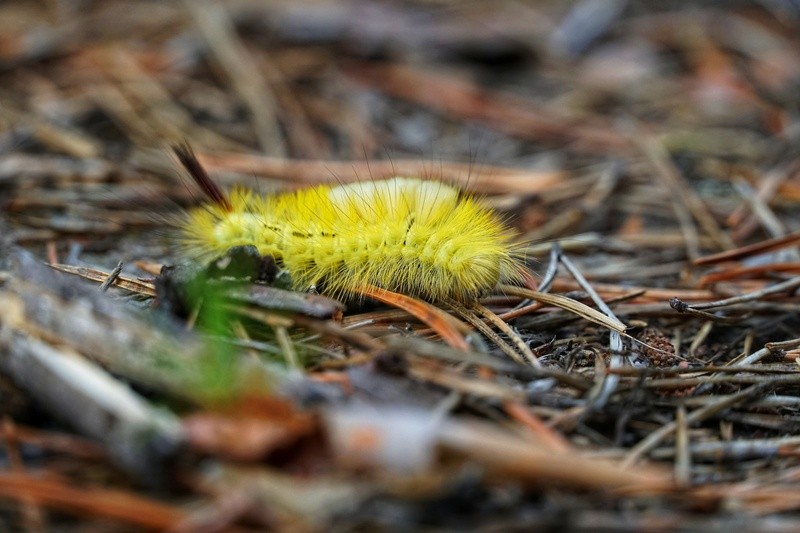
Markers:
point(421, 238)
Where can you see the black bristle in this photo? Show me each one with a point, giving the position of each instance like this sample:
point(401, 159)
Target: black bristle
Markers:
point(190, 162)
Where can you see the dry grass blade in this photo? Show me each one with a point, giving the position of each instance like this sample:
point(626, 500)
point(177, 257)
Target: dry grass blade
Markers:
point(446, 326)
point(455, 381)
point(547, 436)
point(514, 456)
point(500, 324)
point(144, 288)
point(567, 304)
point(481, 326)
point(749, 250)
point(122, 506)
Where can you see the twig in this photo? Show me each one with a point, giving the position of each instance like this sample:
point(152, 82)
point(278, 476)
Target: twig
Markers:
point(655, 438)
point(750, 250)
point(112, 277)
point(113, 504)
point(683, 307)
point(91, 400)
point(778, 288)
point(520, 460)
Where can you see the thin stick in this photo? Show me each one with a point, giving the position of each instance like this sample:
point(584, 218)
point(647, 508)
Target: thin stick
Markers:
point(655, 438)
point(112, 277)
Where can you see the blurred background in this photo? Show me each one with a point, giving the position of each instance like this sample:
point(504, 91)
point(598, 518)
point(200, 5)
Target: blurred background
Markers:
point(553, 106)
point(638, 135)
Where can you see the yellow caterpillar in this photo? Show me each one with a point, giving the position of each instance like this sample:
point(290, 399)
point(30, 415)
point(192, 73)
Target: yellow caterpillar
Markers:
point(406, 235)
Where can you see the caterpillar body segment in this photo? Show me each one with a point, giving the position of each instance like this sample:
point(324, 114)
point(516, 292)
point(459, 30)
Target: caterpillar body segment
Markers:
point(417, 237)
